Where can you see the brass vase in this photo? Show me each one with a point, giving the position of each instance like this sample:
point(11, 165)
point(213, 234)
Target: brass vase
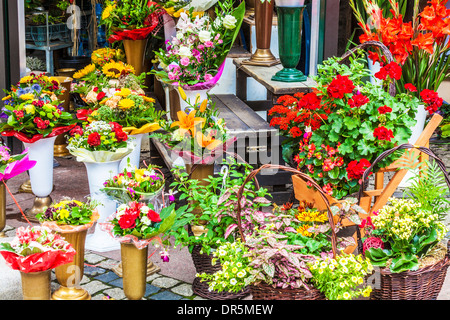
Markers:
point(69, 275)
point(2, 209)
point(135, 53)
point(36, 285)
point(60, 147)
point(134, 265)
point(263, 56)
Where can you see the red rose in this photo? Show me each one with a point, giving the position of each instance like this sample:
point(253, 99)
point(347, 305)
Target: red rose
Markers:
point(383, 133)
point(153, 216)
point(127, 221)
point(384, 109)
point(94, 139)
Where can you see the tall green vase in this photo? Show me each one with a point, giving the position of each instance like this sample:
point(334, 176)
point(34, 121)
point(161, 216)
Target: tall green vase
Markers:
point(290, 21)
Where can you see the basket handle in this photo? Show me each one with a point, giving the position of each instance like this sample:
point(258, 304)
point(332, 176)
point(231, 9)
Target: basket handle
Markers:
point(386, 52)
point(303, 176)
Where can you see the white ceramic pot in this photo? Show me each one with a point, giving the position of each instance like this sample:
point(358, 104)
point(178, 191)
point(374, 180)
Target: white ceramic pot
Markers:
point(135, 156)
point(41, 175)
point(98, 173)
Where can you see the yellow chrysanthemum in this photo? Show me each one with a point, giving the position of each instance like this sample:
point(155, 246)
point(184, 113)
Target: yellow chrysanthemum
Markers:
point(107, 12)
point(27, 96)
point(124, 92)
point(113, 69)
point(126, 104)
point(26, 79)
point(84, 72)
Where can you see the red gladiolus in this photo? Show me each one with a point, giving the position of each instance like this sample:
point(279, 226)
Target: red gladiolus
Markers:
point(94, 139)
point(382, 133)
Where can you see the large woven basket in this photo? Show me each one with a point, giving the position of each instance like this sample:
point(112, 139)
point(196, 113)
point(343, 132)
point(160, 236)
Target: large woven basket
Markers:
point(263, 291)
point(422, 284)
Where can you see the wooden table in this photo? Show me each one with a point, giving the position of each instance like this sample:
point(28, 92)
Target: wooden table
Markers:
point(263, 75)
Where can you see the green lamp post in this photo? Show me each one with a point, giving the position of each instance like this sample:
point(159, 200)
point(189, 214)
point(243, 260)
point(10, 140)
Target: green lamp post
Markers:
point(290, 19)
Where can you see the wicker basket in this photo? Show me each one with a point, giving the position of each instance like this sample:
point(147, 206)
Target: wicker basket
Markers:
point(422, 284)
point(264, 291)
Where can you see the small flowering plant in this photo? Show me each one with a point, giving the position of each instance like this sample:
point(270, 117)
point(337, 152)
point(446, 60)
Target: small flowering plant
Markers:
point(341, 278)
point(135, 184)
point(197, 52)
point(99, 141)
point(32, 109)
point(36, 249)
point(335, 132)
point(69, 212)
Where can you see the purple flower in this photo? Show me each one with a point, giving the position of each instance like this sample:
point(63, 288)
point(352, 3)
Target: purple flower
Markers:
point(165, 256)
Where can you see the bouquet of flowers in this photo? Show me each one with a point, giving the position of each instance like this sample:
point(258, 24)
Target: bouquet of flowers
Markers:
point(33, 110)
point(141, 185)
point(133, 111)
point(195, 57)
point(130, 20)
point(13, 165)
point(36, 249)
point(199, 135)
point(99, 141)
point(138, 223)
point(69, 215)
point(336, 131)
point(419, 46)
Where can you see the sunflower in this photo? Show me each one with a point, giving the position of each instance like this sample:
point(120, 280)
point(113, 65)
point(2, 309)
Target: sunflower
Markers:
point(84, 72)
point(113, 69)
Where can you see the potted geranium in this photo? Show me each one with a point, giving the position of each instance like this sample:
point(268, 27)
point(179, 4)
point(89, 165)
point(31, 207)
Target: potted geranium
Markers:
point(71, 219)
point(101, 146)
point(35, 117)
point(35, 251)
point(194, 59)
point(336, 131)
point(132, 23)
point(135, 112)
point(135, 225)
point(406, 237)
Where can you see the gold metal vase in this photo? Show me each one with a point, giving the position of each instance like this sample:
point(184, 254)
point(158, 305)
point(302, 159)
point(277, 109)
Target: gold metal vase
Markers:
point(36, 285)
point(60, 147)
point(135, 53)
point(134, 265)
point(69, 275)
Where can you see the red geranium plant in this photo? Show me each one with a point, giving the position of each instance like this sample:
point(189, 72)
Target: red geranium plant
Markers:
point(335, 132)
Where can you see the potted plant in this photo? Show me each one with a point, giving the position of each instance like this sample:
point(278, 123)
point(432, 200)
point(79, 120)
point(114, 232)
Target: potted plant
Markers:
point(135, 225)
point(35, 251)
point(101, 146)
point(194, 59)
point(71, 219)
point(336, 131)
point(405, 238)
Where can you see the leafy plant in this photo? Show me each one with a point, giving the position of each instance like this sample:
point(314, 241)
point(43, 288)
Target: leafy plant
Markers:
point(69, 212)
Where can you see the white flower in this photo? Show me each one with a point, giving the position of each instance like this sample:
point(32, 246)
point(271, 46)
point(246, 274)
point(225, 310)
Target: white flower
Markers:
point(204, 36)
point(145, 209)
point(229, 22)
point(185, 52)
point(145, 220)
point(233, 281)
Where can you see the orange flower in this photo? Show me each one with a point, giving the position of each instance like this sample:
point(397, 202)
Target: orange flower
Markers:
point(187, 122)
point(424, 42)
point(208, 141)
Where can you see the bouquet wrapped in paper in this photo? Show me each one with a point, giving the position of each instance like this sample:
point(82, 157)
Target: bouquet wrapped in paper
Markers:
point(36, 249)
point(69, 215)
point(13, 165)
point(100, 141)
point(199, 135)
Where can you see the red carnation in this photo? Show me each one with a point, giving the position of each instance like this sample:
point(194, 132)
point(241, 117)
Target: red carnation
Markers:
point(382, 133)
point(384, 109)
point(94, 139)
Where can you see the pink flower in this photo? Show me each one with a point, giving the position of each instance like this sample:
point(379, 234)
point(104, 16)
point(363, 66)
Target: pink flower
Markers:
point(184, 61)
point(208, 77)
point(209, 44)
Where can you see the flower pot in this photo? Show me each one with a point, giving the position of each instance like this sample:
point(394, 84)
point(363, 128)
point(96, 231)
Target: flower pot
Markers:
point(36, 285)
point(190, 96)
point(41, 175)
point(2, 209)
point(60, 147)
point(263, 27)
point(135, 53)
point(134, 266)
point(290, 21)
point(135, 155)
point(69, 275)
point(98, 173)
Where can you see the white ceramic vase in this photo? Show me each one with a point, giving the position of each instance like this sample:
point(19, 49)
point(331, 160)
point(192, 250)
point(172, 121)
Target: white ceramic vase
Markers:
point(41, 175)
point(98, 173)
point(135, 156)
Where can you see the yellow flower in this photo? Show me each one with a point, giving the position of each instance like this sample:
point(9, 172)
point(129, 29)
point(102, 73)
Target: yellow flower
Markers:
point(182, 93)
point(148, 99)
point(187, 122)
point(124, 92)
point(126, 104)
point(107, 12)
point(26, 79)
point(27, 96)
point(303, 230)
point(207, 142)
point(64, 213)
point(113, 69)
point(139, 174)
point(7, 98)
point(84, 72)
point(29, 108)
point(203, 105)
